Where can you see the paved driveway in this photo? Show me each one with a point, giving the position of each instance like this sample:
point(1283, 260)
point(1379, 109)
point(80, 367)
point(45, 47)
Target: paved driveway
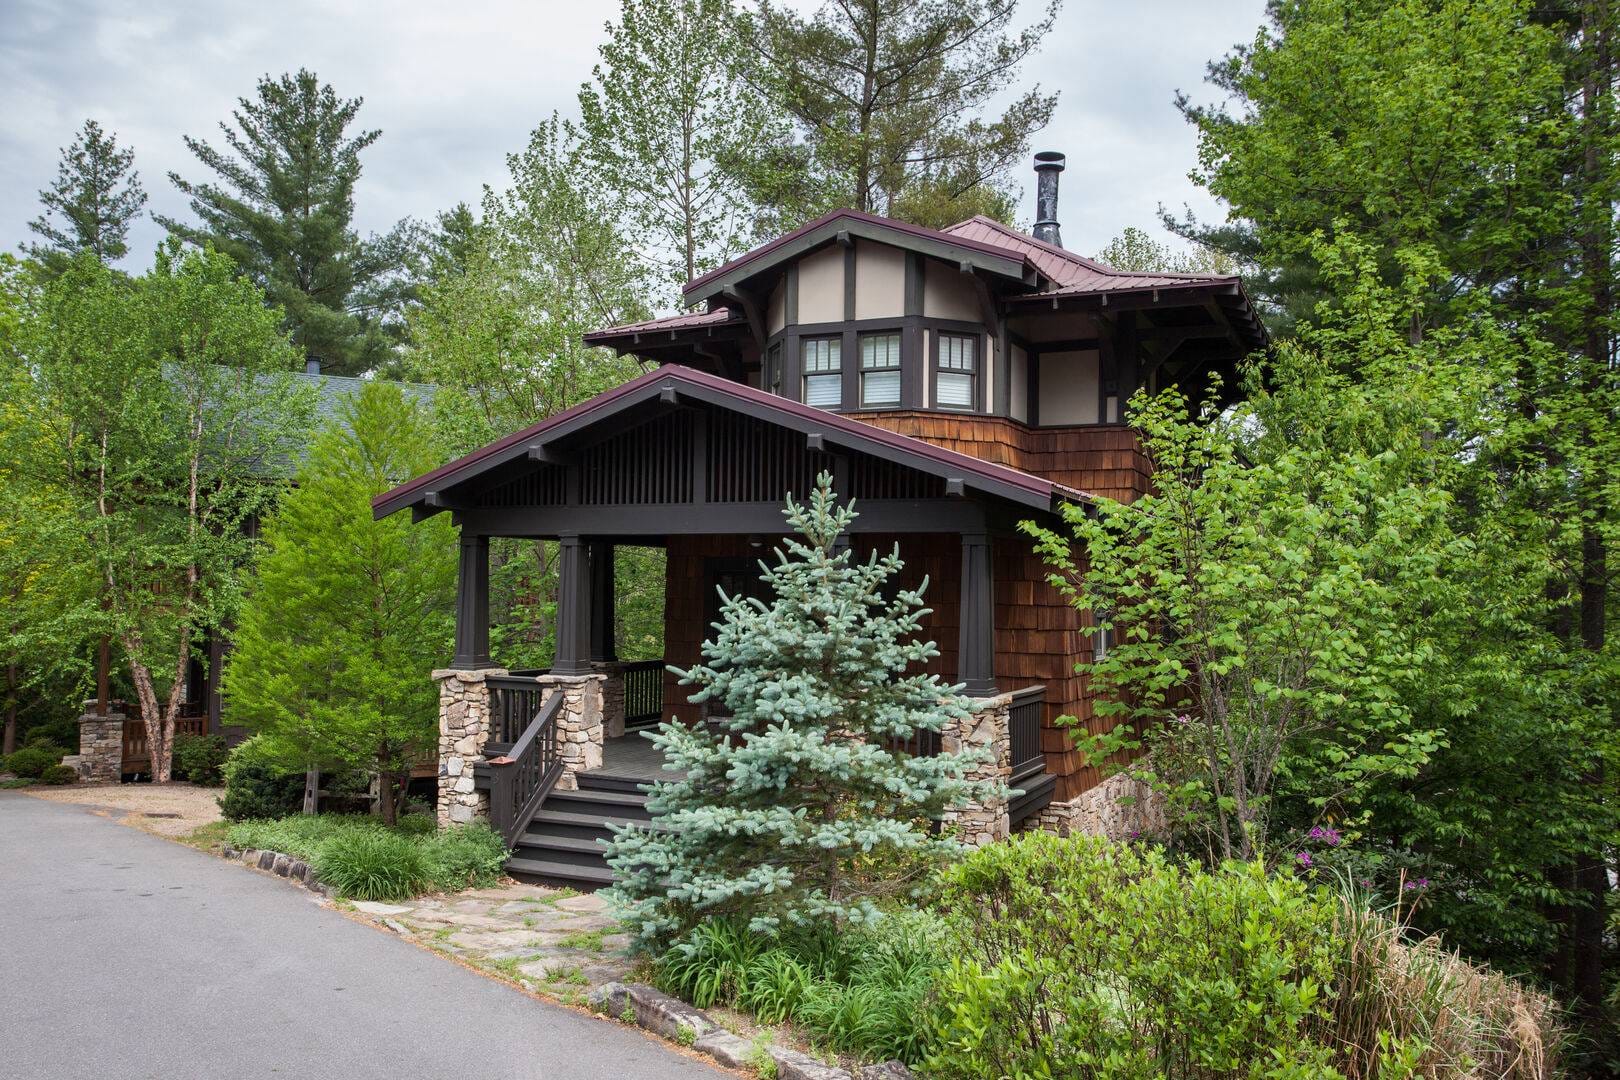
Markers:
point(122, 955)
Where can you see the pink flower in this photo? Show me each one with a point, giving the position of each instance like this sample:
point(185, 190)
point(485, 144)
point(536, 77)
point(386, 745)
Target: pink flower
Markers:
point(1303, 858)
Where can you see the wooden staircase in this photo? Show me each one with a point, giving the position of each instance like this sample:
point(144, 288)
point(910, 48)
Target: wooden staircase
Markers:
point(561, 845)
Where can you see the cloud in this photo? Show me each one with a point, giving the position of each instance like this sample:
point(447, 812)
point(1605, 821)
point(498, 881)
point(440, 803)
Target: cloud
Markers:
point(456, 87)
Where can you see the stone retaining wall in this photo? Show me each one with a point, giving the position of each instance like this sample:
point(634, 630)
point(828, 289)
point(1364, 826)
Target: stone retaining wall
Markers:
point(1119, 808)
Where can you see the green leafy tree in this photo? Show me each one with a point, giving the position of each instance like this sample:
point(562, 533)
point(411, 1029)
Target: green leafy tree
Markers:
point(97, 194)
point(795, 808)
point(283, 207)
point(673, 117)
point(1259, 616)
point(154, 414)
point(345, 615)
point(1135, 250)
point(1470, 149)
point(903, 105)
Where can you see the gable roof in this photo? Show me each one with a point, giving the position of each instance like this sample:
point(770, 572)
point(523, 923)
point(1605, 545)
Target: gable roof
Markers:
point(676, 381)
point(1071, 274)
point(992, 258)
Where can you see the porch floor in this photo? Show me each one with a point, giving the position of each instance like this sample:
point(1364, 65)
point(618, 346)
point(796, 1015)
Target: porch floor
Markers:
point(634, 757)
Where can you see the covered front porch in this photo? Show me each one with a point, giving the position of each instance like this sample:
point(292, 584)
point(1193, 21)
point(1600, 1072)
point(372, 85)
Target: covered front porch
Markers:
point(701, 468)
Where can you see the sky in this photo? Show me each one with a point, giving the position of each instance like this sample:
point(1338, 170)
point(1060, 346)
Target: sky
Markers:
point(454, 88)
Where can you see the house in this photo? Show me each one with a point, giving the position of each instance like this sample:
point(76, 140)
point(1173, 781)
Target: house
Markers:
point(956, 382)
point(201, 706)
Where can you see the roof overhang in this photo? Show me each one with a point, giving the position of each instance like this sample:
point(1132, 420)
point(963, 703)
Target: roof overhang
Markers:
point(844, 226)
point(672, 386)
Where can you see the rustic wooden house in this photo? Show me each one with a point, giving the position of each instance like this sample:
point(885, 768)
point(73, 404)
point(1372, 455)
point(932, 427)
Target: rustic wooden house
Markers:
point(956, 382)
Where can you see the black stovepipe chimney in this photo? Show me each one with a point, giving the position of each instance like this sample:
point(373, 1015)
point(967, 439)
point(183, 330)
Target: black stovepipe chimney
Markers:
point(1048, 163)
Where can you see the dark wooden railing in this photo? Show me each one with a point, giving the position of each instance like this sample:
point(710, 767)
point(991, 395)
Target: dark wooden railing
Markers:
point(137, 755)
point(1024, 727)
point(521, 778)
point(514, 701)
point(921, 744)
point(643, 692)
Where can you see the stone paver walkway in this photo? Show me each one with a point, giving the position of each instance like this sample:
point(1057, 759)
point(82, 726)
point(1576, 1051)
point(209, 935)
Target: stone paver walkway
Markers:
point(554, 941)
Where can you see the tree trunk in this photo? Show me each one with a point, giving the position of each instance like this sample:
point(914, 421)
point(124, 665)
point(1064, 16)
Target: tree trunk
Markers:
point(10, 745)
point(386, 805)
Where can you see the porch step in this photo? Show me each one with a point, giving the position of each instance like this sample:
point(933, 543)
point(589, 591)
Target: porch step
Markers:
point(601, 781)
point(561, 845)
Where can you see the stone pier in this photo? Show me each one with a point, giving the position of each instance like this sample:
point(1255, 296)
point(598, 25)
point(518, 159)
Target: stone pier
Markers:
point(101, 746)
point(988, 729)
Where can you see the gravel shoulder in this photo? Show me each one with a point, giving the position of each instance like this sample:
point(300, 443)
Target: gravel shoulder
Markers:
point(171, 810)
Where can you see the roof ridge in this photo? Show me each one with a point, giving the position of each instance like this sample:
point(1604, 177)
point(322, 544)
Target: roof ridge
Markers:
point(1055, 249)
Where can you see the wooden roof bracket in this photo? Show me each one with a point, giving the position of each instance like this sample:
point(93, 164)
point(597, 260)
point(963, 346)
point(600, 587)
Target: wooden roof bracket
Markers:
point(750, 310)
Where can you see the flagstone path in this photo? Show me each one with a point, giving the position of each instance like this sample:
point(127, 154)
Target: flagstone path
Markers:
point(554, 941)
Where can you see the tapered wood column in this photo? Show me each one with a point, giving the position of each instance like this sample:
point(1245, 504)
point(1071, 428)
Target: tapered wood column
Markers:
point(472, 605)
point(573, 608)
point(603, 647)
point(976, 615)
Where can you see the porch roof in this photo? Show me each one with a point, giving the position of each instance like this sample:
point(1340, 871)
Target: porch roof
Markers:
point(672, 384)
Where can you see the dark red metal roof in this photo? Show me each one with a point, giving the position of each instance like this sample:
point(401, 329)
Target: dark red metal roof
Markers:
point(999, 479)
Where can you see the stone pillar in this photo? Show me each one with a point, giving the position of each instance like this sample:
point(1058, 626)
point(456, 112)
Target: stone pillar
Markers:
point(1119, 808)
point(101, 746)
point(612, 699)
point(579, 724)
point(463, 730)
point(987, 729)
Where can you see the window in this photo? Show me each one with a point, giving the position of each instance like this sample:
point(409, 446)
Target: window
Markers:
point(772, 380)
point(958, 364)
point(880, 370)
point(823, 365)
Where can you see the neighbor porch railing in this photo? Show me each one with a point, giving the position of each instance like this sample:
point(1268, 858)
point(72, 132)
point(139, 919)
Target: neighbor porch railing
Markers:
point(643, 692)
point(520, 778)
point(137, 755)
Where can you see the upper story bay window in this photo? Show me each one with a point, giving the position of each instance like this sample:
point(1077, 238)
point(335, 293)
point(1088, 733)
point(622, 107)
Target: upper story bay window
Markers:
point(880, 370)
point(956, 372)
point(822, 362)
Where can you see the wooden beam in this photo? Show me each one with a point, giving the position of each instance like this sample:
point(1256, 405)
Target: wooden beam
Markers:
point(750, 310)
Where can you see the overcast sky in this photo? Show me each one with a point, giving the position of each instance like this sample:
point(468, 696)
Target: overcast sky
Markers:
point(455, 87)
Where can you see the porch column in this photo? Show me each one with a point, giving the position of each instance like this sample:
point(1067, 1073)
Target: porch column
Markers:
point(472, 605)
point(976, 617)
point(603, 648)
point(573, 609)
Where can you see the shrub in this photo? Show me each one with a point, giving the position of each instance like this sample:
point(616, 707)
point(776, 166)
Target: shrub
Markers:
point(200, 759)
point(710, 964)
point(462, 856)
point(774, 984)
point(31, 761)
point(300, 834)
point(1073, 953)
point(54, 733)
point(258, 785)
point(58, 775)
point(373, 864)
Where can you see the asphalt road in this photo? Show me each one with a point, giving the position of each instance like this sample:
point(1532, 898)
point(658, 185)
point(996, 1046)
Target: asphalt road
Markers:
point(122, 955)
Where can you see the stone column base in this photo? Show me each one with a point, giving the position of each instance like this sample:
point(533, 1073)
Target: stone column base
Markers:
point(463, 730)
point(989, 729)
point(580, 729)
point(101, 747)
point(1119, 808)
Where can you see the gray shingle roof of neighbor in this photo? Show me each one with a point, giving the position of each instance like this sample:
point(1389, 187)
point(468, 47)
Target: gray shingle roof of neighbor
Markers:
point(330, 392)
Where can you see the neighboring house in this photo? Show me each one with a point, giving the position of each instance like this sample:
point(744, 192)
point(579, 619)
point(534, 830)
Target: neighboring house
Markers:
point(201, 710)
point(954, 382)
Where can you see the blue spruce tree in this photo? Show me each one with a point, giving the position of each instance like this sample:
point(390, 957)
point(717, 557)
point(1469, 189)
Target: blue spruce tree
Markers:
point(800, 807)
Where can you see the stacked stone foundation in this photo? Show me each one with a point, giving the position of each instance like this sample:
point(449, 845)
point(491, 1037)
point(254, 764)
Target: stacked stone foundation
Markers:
point(1119, 808)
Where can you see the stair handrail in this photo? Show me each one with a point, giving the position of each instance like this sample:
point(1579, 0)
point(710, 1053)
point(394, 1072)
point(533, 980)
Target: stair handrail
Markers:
point(521, 778)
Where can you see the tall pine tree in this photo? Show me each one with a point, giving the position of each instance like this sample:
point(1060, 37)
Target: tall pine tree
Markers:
point(891, 99)
point(801, 778)
point(346, 615)
point(97, 194)
point(283, 208)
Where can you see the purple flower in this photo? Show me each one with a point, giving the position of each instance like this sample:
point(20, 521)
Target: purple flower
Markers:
point(1366, 883)
point(1327, 834)
point(1303, 858)
point(1136, 834)
point(1418, 883)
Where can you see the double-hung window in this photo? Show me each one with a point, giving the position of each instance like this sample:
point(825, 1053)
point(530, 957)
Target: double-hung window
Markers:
point(880, 370)
point(772, 380)
point(822, 363)
point(958, 368)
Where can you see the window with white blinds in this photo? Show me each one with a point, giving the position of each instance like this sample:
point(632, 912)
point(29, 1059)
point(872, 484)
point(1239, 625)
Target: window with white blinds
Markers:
point(880, 370)
point(958, 367)
point(822, 363)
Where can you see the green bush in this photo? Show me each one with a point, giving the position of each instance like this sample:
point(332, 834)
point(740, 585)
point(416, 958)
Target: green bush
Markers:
point(31, 761)
point(298, 834)
point(258, 785)
point(52, 734)
point(1074, 956)
point(373, 864)
point(463, 856)
point(58, 775)
point(200, 759)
